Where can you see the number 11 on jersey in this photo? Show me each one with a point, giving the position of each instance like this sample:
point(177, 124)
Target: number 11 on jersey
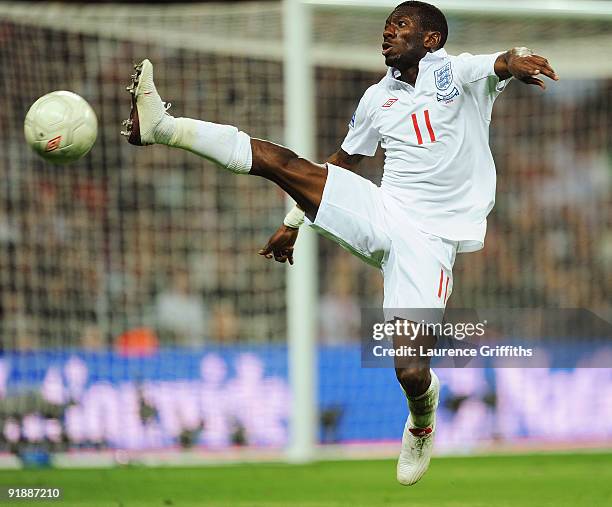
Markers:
point(415, 123)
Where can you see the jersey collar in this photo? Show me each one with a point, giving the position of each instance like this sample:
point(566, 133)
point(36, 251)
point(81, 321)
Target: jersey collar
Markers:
point(435, 57)
point(429, 59)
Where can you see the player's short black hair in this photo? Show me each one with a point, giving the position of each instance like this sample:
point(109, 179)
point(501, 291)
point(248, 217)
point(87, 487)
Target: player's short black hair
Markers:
point(430, 18)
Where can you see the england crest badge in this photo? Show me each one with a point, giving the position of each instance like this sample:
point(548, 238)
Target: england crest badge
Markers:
point(444, 77)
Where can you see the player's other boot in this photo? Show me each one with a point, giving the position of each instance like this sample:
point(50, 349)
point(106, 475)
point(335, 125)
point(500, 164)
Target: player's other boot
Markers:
point(148, 110)
point(417, 445)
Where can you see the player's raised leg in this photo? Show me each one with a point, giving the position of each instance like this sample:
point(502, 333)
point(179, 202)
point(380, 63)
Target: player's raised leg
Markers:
point(422, 389)
point(225, 145)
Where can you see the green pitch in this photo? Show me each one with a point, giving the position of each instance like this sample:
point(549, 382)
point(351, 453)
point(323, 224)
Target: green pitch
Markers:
point(533, 480)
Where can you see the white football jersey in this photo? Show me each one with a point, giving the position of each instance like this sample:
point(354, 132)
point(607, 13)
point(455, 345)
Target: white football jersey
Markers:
point(438, 164)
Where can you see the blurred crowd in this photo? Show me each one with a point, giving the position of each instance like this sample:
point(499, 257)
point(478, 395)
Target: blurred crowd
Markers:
point(140, 248)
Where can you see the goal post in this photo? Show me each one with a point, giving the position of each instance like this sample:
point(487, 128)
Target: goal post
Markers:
point(548, 9)
point(302, 300)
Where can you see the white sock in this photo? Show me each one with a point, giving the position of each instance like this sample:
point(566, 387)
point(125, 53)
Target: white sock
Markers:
point(224, 145)
point(164, 129)
point(423, 407)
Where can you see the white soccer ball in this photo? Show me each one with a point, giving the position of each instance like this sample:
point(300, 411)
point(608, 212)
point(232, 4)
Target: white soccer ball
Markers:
point(61, 127)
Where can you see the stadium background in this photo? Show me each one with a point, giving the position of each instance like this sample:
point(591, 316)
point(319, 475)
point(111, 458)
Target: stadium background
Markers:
point(136, 314)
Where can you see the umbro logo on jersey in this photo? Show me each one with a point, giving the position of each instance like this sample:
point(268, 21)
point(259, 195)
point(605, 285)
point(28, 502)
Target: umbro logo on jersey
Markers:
point(389, 103)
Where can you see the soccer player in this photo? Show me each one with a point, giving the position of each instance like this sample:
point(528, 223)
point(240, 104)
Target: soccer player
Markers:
point(431, 114)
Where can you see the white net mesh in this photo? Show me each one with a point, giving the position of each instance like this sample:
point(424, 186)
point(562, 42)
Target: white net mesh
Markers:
point(97, 243)
point(352, 38)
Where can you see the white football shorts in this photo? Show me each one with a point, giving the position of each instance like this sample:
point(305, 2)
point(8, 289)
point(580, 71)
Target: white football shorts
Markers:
point(417, 266)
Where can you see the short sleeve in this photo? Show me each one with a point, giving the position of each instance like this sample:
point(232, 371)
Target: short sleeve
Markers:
point(475, 67)
point(362, 137)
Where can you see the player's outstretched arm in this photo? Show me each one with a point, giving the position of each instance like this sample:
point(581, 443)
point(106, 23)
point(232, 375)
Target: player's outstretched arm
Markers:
point(280, 245)
point(525, 66)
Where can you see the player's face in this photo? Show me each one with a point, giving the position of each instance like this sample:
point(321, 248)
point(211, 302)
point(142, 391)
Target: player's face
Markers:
point(403, 40)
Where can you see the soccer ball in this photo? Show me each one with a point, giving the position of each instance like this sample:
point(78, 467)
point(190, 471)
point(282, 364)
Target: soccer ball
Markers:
point(61, 127)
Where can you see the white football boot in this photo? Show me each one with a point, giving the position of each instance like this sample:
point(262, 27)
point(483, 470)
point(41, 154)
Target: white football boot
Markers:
point(417, 445)
point(148, 110)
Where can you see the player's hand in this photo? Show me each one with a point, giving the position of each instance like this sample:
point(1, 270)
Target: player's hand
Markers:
point(280, 244)
point(527, 67)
